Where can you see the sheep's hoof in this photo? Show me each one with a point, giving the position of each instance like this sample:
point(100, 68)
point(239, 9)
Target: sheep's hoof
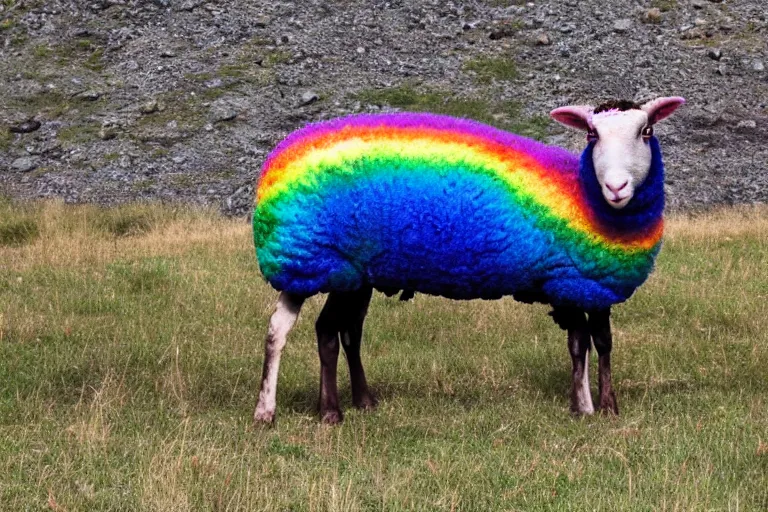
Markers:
point(331, 417)
point(263, 417)
point(608, 405)
point(366, 402)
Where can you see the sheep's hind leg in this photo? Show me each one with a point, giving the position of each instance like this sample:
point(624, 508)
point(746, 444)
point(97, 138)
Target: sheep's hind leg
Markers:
point(355, 309)
point(327, 327)
point(281, 322)
point(600, 329)
point(575, 322)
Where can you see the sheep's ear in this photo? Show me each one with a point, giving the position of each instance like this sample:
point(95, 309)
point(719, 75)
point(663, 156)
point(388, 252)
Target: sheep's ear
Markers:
point(575, 116)
point(661, 108)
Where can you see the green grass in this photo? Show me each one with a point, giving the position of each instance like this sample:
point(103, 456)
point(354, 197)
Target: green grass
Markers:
point(506, 115)
point(493, 68)
point(130, 361)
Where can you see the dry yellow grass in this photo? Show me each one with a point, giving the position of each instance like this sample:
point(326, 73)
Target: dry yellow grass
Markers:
point(130, 351)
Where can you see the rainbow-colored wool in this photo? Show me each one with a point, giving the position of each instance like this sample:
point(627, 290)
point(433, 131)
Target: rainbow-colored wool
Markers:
point(449, 207)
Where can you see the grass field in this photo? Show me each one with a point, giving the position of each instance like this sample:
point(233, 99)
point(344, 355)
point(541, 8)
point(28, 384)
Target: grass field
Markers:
point(131, 349)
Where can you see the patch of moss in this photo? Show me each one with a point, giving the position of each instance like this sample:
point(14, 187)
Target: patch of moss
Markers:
point(78, 134)
point(142, 185)
point(664, 5)
point(94, 62)
point(506, 115)
point(41, 51)
point(198, 77)
point(276, 57)
point(233, 70)
point(182, 181)
point(6, 139)
point(493, 68)
point(159, 153)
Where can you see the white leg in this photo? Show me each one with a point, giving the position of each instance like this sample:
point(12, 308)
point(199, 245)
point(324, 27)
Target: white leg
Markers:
point(583, 396)
point(281, 322)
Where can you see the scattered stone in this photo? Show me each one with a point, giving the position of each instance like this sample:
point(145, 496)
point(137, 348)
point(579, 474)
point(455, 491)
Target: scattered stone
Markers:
point(721, 70)
point(501, 33)
point(261, 21)
point(653, 15)
point(699, 22)
point(168, 54)
point(543, 39)
point(758, 66)
point(746, 125)
point(107, 133)
point(149, 107)
point(189, 5)
point(91, 95)
point(28, 126)
point(715, 53)
point(697, 4)
point(180, 159)
point(222, 114)
point(24, 164)
point(214, 82)
point(208, 127)
point(623, 25)
point(360, 50)
point(308, 98)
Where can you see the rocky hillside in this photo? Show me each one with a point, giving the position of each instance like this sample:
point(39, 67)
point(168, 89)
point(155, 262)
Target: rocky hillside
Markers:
point(180, 100)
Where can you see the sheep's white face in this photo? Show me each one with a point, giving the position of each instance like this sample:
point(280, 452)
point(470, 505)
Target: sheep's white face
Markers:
point(622, 154)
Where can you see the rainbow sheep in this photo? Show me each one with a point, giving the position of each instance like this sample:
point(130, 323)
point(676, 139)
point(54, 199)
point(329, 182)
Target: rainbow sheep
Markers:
point(455, 208)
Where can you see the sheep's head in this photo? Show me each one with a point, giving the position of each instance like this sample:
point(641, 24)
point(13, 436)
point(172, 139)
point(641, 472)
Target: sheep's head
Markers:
point(621, 132)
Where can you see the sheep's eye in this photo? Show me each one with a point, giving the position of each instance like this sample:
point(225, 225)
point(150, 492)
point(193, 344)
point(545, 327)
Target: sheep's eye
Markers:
point(591, 135)
point(647, 132)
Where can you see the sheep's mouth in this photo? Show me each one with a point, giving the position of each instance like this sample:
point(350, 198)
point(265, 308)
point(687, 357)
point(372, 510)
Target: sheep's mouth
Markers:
point(618, 202)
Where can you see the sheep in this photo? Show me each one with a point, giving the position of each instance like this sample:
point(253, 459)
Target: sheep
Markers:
point(451, 207)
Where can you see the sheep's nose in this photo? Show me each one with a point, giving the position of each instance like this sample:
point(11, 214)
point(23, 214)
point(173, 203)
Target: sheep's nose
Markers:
point(616, 189)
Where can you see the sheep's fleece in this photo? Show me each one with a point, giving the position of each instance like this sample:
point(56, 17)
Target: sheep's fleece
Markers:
point(449, 207)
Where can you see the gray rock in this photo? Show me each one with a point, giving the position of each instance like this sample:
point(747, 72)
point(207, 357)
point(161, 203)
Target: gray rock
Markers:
point(746, 125)
point(715, 53)
point(149, 107)
point(543, 39)
point(308, 98)
point(90, 95)
point(28, 126)
point(623, 25)
point(24, 164)
point(758, 66)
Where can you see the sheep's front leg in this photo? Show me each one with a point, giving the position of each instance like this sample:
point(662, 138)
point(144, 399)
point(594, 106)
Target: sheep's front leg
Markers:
point(575, 322)
point(600, 329)
point(281, 322)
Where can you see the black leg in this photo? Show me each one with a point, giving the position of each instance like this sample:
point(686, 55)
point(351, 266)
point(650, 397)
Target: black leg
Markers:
point(355, 309)
point(600, 329)
point(327, 328)
point(575, 322)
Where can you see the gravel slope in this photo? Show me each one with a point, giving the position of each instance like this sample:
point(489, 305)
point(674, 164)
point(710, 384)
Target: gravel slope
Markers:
point(181, 100)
